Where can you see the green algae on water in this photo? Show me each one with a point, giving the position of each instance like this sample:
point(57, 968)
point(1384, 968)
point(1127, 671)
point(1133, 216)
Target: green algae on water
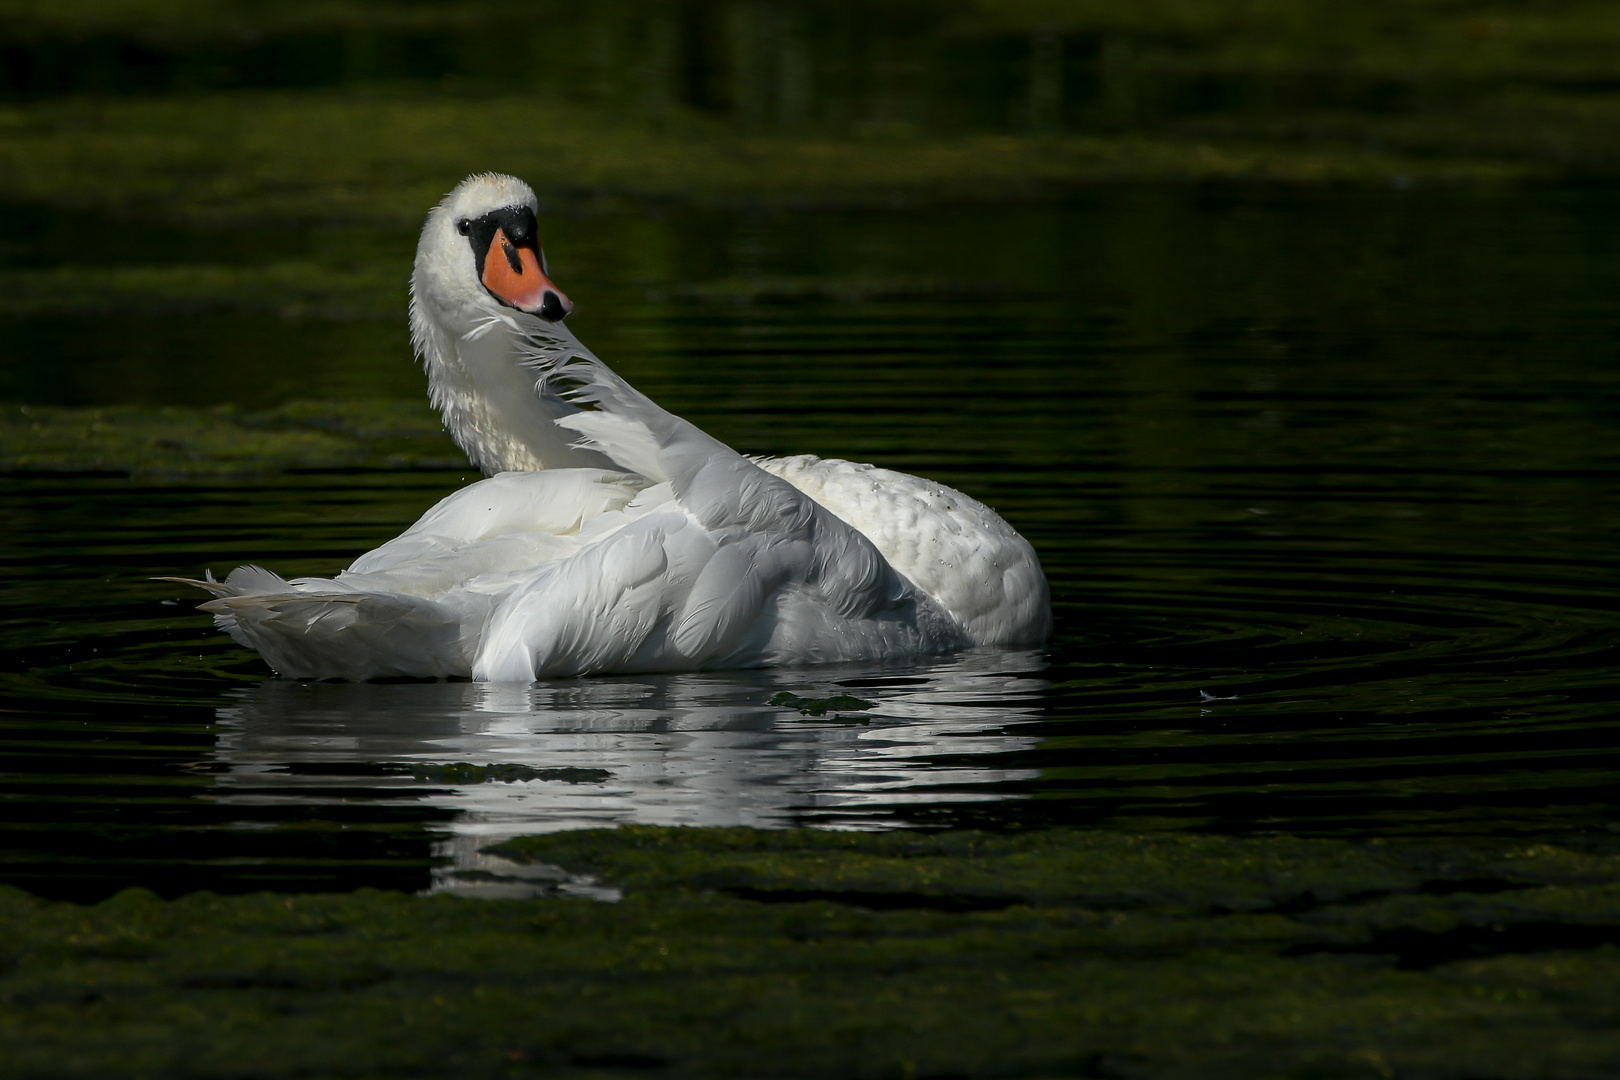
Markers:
point(173, 442)
point(231, 159)
point(819, 707)
point(821, 954)
point(289, 289)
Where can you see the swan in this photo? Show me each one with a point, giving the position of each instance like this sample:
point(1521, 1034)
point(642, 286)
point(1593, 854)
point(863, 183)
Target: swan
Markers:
point(611, 535)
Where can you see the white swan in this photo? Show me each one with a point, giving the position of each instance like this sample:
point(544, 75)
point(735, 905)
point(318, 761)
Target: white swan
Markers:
point(614, 536)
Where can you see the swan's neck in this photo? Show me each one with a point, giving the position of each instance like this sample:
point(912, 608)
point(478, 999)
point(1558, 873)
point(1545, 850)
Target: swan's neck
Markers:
point(489, 399)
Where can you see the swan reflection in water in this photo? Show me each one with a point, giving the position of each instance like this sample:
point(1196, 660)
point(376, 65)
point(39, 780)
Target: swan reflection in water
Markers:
point(704, 748)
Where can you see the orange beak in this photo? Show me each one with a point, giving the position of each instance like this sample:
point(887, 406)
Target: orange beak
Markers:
point(513, 273)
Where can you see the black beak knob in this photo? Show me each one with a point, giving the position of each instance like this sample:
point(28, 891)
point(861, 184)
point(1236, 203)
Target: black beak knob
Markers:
point(551, 308)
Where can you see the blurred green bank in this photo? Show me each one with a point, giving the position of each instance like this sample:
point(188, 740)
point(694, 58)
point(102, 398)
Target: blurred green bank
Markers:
point(367, 111)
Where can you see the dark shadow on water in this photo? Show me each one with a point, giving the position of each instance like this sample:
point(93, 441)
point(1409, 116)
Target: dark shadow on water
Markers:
point(1420, 950)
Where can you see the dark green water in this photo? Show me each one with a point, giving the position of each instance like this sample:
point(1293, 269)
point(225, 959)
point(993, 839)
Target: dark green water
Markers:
point(1327, 486)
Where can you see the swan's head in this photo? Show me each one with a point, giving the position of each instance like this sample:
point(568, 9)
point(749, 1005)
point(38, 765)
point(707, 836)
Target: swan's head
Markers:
point(480, 255)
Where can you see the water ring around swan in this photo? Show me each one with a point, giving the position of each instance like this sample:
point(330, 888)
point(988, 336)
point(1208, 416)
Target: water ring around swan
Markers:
point(1331, 541)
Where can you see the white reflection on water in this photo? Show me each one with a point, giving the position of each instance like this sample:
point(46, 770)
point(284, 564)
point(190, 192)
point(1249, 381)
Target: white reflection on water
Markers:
point(691, 749)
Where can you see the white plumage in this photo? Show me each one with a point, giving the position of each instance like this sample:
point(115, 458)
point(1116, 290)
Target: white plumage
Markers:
point(615, 536)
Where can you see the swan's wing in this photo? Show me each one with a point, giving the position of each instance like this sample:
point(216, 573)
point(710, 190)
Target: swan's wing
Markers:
point(554, 503)
point(664, 593)
point(951, 546)
point(591, 612)
point(417, 605)
point(734, 574)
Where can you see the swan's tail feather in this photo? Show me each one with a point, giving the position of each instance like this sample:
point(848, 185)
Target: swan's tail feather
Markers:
point(345, 635)
point(243, 581)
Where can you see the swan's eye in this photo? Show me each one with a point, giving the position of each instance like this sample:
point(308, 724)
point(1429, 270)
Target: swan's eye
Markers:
point(464, 226)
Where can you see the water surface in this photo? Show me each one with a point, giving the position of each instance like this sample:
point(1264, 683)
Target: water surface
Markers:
point(1325, 484)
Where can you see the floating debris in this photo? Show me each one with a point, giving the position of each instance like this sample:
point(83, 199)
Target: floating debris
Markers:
point(461, 772)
